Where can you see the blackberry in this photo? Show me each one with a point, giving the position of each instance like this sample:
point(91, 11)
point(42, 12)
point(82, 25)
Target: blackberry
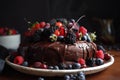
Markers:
point(70, 38)
point(52, 22)
point(37, 35)
point(90, 62)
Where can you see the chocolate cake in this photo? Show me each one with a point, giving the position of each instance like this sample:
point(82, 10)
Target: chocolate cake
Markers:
point(57, 52)
point(59, 41)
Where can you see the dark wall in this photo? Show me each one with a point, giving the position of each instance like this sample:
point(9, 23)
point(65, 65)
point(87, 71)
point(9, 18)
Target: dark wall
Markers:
point(13, 12)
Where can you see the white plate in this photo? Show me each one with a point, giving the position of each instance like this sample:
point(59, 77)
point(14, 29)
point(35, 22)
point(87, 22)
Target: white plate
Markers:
point(48, 72)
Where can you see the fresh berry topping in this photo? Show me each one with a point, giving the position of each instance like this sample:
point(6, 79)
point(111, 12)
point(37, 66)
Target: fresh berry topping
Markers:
point(83, 30)
point(43, 66)
point(37, 64)
point(70, 37)
point(84, 38)
point(60, 38)
point(56, 67)
point(76, 66)
point(100, 47)
point(50, 67)
point(25, 63)
point(42, 24)
point(107, 56)
point(37, 26)
point(59, 24)
point(62, 66)
point(99, 61)
point(19, 60)
point(100, 54)
point(57, 32)
point(69, 66)
point(90, 62)
point(81, 61)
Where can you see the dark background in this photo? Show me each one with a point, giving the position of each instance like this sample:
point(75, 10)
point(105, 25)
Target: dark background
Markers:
point(13, 12)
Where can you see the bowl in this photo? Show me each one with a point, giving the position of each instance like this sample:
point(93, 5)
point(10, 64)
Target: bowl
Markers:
point(11, 42)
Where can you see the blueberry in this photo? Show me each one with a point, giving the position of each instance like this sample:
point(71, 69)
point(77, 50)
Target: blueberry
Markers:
point(69, 66)
point(90, 62)
point(80, 73)
point(60, 38)
point(84, 38)
point(56, 67)
point(99, 61)
point(2, 64)
point(76, 66)
point(81, 77)
point(67, 77)
point(50, 67)
point(52, 22)
point(25, 63)
point(40, 78)
point(62, 66)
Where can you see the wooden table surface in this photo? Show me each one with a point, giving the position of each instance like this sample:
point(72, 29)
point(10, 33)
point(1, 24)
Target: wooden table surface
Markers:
point(111, 73)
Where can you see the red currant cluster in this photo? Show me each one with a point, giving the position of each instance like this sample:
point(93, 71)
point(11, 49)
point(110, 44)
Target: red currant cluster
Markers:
point(7, 31)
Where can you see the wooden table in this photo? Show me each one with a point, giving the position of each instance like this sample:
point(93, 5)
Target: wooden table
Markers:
point(111, 73)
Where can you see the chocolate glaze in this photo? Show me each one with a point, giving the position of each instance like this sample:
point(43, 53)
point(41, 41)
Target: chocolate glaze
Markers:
point(53, 53)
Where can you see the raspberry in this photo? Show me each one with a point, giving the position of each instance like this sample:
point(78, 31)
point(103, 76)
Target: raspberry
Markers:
point(81, 61)
point(37, 26)
point(106, 56)
point(83, 30)
point(100, 54)
point(59, 24)
point(57, 32)
point(19, 60)
point(42, 24)
point(62, 31)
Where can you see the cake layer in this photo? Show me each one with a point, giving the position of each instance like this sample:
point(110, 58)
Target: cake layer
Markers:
point(57, 52)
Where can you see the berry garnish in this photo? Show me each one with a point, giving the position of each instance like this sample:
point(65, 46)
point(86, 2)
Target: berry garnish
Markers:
point(99, 61)
point(81, 61)
point(59, 24)
point(43, 66)
point(37, 64)
point(83, 30)
point(100, 54)
point(25, 63)
point(107, 56)
point(76, 66)
point(42, 24)
point(19, 60)
point(90, 62)
point(57, 32)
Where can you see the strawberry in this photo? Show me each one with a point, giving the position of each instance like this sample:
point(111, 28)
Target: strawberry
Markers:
point(83, 30)
point(81, 61)
point(42, 24)
point(100, 54)
point(57, 32)
point(59, 24)
point(106, 56)
point(18, 60)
